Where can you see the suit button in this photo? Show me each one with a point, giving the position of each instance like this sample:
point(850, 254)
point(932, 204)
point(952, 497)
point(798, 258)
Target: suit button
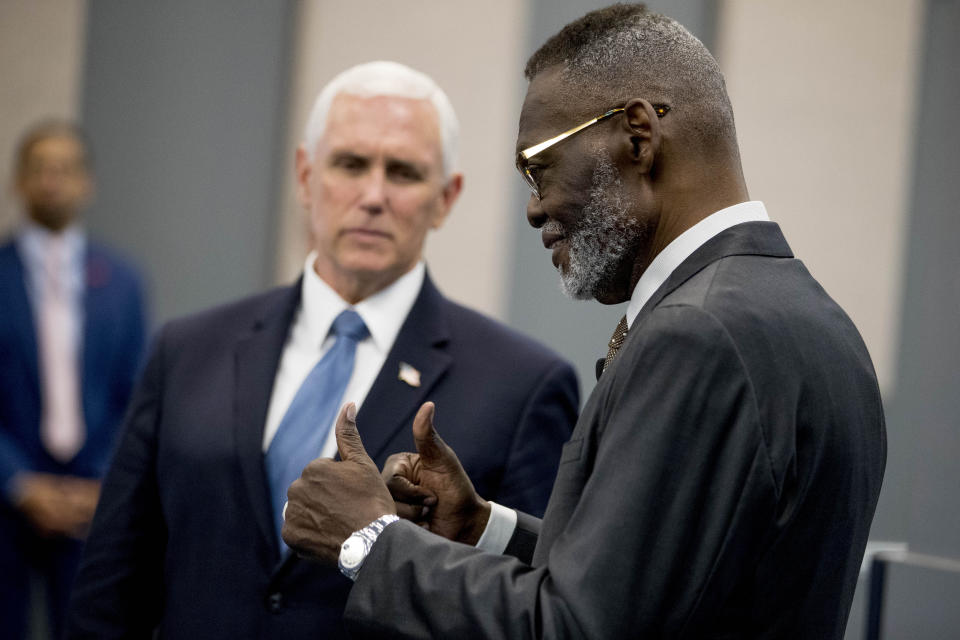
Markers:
point(275, 602)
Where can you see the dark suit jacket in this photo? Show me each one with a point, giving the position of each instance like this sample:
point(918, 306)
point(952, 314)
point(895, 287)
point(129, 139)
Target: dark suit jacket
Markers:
point(183, 536)
point(720, 482)
point(112, 341)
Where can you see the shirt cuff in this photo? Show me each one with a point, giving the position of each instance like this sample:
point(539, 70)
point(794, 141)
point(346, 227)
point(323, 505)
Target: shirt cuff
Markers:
point(496, 536)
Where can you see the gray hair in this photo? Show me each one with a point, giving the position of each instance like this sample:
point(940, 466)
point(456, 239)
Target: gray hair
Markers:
point(385, 78)
point(624, 51)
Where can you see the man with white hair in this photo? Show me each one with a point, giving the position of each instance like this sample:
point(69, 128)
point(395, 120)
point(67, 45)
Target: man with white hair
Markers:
point(237, 400)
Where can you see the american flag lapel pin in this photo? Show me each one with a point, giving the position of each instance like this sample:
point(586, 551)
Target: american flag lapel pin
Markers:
point(409, 374)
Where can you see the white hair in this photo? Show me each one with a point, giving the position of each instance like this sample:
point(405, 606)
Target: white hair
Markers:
point(385, 78)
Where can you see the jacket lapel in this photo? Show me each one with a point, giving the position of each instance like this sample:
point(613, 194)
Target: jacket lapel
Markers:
point(392, 401)
point(256, 359)
point(749, 238)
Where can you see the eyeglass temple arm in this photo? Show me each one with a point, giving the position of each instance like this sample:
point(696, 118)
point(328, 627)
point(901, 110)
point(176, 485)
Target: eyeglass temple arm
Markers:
point(526, 154)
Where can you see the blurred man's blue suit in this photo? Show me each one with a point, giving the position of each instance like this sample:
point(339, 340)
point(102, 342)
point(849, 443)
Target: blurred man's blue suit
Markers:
point(111, 342)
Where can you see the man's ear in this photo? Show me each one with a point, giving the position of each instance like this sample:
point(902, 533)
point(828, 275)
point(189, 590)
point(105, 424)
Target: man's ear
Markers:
point(303, 167)
point(642, 128)
point(451, 191)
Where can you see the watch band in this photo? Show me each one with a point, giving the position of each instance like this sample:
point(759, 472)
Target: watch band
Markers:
point(355, 549)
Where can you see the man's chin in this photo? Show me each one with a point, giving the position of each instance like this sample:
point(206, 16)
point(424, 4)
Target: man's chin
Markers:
point(367, 261)
point(591, 286)
point(53, 218)
point(574, 288)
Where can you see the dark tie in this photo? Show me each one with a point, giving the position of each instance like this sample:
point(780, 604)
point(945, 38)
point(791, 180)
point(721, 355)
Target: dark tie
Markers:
point(616, 341)
point(305, 426)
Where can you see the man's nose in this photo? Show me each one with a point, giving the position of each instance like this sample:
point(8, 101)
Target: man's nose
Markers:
point(535, 215)
point(373, 199)
point(51, 180)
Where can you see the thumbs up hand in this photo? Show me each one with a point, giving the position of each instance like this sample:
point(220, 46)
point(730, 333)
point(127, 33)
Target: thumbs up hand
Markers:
point(332, 499)
point(431, 487)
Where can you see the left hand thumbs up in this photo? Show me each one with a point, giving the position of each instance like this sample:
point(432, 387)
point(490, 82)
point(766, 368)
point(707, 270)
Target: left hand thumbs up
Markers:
point(348, 438)
point(333, 499)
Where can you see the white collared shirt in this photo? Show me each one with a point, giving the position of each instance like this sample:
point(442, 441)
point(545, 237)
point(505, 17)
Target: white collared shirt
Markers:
point(384, 313)
point(503, 521)
point(33, 246)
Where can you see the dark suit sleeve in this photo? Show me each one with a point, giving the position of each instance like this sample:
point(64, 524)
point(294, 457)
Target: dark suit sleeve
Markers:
point(545, 424)
point(118, 591)
point(12, 461)
point(670, 482)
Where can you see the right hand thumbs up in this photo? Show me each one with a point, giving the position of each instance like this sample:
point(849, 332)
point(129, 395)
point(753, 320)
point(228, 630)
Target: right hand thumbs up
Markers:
point(433, 451)
point(434, 477)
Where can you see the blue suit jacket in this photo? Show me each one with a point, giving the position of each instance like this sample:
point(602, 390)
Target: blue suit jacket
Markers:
point(112, 342)
point(183, 537)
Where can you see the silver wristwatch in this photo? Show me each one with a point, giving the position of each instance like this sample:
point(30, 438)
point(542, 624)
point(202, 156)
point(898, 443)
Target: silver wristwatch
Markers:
point(354, 549)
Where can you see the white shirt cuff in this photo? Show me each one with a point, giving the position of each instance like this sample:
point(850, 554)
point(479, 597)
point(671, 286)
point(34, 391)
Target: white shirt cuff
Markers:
point(496, 536)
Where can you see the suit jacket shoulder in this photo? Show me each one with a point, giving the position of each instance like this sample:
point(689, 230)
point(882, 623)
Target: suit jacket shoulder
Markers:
point(225, 321)
point(116, 259)
point(468, 325)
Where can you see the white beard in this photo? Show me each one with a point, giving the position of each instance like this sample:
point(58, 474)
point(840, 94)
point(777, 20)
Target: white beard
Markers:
point(603, 237)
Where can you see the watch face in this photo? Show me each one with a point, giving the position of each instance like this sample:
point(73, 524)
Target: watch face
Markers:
point(352, 552)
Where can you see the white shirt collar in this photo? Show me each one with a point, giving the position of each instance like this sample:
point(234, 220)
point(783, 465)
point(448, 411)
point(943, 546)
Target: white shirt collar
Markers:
point(33, 245)
point(384, 312)
point(34, 239)
point(685, 244)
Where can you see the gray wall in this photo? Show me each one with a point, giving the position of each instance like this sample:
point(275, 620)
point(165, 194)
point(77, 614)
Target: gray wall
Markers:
point(919, 501)
point(579, 330)
point(184, 102)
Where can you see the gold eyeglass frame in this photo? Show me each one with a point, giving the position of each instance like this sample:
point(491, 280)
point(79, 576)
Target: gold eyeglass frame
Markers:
point(524, 156)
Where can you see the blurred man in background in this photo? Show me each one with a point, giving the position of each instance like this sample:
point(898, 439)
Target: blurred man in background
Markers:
point(236, 401)
point(71, 335)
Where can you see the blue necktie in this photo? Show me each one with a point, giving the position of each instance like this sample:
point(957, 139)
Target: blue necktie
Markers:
point(305, 426)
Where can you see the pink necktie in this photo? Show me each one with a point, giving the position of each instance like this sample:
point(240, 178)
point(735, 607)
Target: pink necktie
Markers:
point(62, 428)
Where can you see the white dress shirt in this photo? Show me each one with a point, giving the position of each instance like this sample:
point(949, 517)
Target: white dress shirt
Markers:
point(383, 313)
point(503, 521)
point(33, 246)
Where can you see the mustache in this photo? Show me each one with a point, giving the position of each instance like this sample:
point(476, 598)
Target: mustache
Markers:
point(552, 226)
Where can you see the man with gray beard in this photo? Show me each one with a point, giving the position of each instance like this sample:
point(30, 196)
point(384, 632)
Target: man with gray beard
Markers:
point(721, 480)
point(602, 237)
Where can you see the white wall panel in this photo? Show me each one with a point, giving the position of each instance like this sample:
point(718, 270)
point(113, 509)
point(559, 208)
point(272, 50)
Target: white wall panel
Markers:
point(824, 96)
